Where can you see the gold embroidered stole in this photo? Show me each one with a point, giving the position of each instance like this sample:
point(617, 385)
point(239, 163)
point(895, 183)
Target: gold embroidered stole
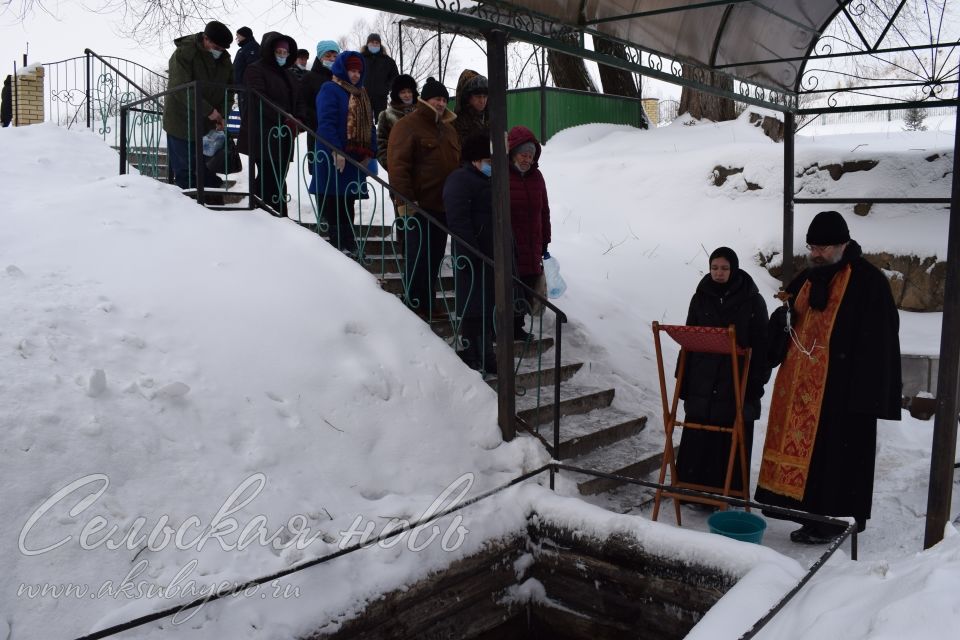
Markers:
point(798, 394)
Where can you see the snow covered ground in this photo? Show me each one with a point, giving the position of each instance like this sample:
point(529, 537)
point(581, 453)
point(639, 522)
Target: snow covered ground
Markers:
point(158, 360)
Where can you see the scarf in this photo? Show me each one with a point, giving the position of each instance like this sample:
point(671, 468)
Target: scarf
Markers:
point(359, 120)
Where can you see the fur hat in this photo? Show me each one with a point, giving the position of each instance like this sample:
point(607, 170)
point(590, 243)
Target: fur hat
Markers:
point(727, 254)
point(477, 85)
point(476, 147)
point(218, 33)
point(245, 32)
point(327, 45)
point(828, 228)
point(401, 82)
point(434, 89)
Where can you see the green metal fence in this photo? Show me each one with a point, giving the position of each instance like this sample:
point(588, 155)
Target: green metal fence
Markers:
point(549, 110)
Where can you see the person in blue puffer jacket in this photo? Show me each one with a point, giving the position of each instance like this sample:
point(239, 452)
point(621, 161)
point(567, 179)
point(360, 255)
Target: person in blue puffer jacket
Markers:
point(344, 121)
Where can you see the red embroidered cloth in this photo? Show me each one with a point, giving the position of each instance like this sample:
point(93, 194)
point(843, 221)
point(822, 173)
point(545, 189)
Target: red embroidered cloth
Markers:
point(701, 339)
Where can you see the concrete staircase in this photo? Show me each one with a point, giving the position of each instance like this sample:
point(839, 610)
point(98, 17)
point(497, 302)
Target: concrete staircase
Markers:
point(593, 434)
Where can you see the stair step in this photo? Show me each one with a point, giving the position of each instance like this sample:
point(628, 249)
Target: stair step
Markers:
point(528, 376)
point(581, 435)
point(393, 282)
point(635, 457)
point(573, 400)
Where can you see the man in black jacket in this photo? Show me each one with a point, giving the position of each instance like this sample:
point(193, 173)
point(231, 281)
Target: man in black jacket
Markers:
point(380, 73)
point(837, 338)
point(249, 52)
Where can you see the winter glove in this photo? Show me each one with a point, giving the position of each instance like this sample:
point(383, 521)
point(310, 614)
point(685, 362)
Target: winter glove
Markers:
point(545, 253)
point(292, 125)
point(403, 210)
point(779, 336)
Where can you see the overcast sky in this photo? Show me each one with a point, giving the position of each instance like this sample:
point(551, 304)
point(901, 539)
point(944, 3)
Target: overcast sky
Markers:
point(67, 28)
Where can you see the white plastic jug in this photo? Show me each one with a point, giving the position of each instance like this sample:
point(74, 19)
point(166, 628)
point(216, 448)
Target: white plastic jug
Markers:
point(551, 271)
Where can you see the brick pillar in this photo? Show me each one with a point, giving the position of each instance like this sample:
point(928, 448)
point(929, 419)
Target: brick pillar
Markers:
point(29, 96)
point(651, 107)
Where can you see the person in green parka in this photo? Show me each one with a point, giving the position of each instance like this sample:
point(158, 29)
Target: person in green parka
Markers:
point(200, 56)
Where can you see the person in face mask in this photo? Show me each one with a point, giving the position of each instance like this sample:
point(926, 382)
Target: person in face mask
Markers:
point(468, 200)
point(310, 83)
point(381, 71)
point(403, 101)
point(529, 215)
point(299, 68)
point(267, 134)
point(345, 122)
point(200, 56)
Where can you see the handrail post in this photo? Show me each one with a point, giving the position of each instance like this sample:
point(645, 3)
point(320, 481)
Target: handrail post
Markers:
point(198, 143)
point(88, 81)
point(556, 394)
point(123, 140)
point(503, 233)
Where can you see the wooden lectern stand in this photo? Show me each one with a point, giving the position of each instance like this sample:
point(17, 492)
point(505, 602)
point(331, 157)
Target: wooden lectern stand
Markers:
point(718, 340)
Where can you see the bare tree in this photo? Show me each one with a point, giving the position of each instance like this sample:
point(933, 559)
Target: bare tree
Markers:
point(702, 105)
point(618, 82)
point(568, 71)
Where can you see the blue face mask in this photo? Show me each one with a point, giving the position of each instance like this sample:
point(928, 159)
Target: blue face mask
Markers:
point(281, 60)
point(486, 169)
point(327, 63)
point(216, 53)
point(373, 49)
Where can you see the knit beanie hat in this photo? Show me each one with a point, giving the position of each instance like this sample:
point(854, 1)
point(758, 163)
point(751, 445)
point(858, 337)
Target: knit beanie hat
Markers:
point(526, 147)
point(327, 45)
point(434, 89)
point(828, 228)
point(727, 254)
point(401, 82)
point(373, 37)
point(218, 33)
point(353, 63)
point(475, 147)
point(245, 32)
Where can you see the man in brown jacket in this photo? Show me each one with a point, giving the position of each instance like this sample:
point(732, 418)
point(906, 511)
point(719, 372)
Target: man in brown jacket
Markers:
point(423, 150)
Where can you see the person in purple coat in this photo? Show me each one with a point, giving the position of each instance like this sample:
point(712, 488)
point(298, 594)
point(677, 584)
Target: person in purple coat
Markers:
point(345, 121)
point(529, 217)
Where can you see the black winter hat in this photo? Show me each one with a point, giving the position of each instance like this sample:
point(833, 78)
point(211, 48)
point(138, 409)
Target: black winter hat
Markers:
point(434, 89)
point(373, 37)
point(245, 32)
point(401, 82)
point(828, 228)
point(218, 33)
point(476, 147)
point(729, 255)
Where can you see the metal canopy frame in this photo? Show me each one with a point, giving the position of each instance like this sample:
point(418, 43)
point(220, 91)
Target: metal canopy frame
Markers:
point(859, 35)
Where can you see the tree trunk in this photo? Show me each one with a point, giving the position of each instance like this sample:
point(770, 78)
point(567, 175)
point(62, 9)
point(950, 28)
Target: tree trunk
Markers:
point(616, 82)
point(706, 105)
point(569, 72)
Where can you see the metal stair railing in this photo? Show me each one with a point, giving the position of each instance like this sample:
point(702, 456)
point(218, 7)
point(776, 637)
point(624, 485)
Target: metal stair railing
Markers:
point(279, 143)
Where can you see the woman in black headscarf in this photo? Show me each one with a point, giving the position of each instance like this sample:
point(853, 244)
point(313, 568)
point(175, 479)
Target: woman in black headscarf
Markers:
point(724, 296)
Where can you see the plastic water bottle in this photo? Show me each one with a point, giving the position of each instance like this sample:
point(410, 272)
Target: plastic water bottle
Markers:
point(551, 271)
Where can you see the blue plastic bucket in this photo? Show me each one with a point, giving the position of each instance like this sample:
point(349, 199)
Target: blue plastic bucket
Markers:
point(738, 525)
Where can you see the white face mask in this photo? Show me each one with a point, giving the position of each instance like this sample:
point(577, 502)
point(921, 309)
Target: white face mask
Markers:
point(216, 53)
point(327, 63)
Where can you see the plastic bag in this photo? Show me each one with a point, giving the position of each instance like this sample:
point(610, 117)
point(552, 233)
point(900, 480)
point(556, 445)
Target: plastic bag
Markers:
point(213, 142)
point(551, 271)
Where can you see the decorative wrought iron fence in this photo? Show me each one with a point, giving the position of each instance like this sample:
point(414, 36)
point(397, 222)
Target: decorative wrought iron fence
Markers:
point(341, 198)
point(89, 89)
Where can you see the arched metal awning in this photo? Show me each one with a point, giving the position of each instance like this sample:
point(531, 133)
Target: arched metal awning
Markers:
point(770, 53)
